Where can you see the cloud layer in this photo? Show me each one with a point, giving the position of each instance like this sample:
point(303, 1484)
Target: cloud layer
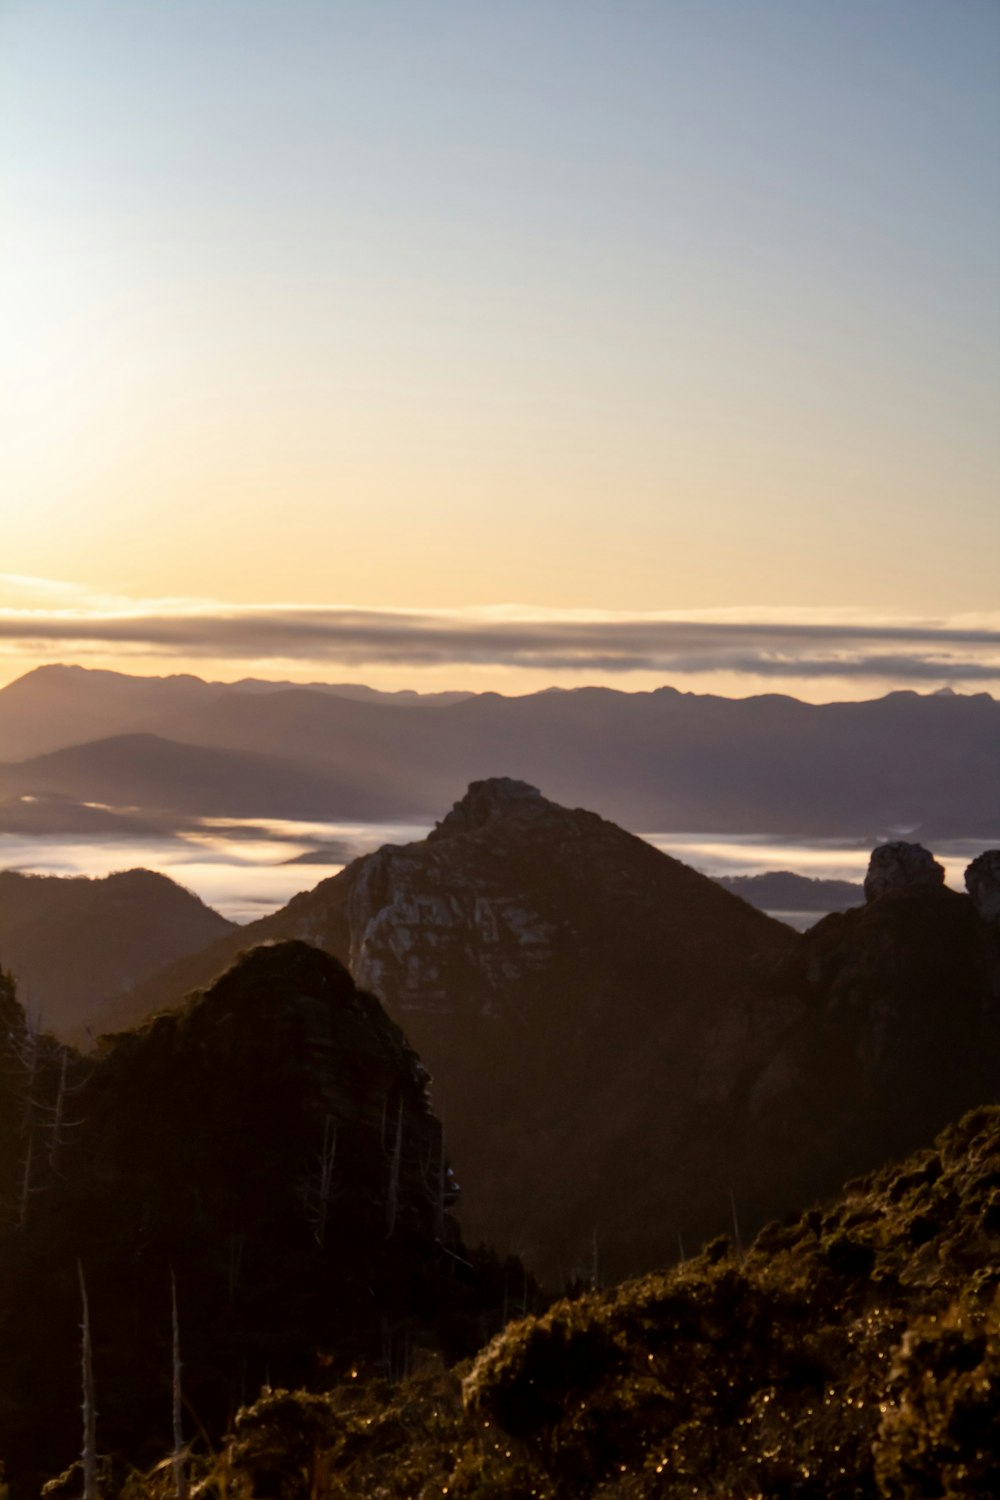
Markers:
point(966, 651)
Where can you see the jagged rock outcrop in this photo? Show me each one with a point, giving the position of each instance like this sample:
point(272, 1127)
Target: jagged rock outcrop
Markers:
point(585, 1005)
point(899, 868)
point(273, 1146)
point(434, 938)
point(982, 881)
point(897, 1031)
point(485, 801)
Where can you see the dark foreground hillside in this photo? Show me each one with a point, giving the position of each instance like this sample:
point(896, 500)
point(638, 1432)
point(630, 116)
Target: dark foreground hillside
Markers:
point(853, 1353)
point(270, 1149)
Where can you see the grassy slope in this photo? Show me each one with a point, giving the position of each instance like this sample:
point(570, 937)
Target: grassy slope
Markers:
point(853, 1351)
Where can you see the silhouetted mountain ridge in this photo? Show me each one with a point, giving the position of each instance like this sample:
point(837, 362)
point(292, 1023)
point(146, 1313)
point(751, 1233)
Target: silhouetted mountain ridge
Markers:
point(659, 761)
point(784, 890)
point(145, 772)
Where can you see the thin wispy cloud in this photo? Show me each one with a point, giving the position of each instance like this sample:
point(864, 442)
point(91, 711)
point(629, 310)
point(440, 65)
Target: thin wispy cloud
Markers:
point(801, 644)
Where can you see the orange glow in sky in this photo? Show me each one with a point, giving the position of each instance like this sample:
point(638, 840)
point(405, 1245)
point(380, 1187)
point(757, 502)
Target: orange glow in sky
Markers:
point(630, 310)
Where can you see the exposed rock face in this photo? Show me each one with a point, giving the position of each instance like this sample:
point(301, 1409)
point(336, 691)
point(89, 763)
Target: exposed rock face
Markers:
point(434, 938)
point(485, 801)
point(582, 1000)
point(272, 1144)
point(982, 881)
point(899, 869)
point(898, 1032)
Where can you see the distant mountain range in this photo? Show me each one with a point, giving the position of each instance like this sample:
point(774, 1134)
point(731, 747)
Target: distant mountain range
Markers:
point(784, 891)
point(57, 706)
point(655, 762)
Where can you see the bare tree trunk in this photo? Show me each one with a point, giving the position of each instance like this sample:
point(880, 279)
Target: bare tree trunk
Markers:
point(442, 1183)
point(236, 1246)
point(89, 1457)
point(180, 1475)
point(57, 1114)
point(29, 1061)
point(326, 1163)
point(22, 1216)
point(736, 1224)
point(392, 1202)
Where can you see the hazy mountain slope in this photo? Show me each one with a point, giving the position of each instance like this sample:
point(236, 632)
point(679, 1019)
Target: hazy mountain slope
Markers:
point(656, 761)
point(144, 771)
point(46, 814)
point(667, 760)
point(783, 890)
point(398, 697)
point(399, 752)
point(273, 1148)
point(57, 706)
point(73, 945)
point(660, 761)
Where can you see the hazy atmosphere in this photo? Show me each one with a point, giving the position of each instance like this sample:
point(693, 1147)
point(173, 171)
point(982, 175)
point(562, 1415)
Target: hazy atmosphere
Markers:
point(495, 346)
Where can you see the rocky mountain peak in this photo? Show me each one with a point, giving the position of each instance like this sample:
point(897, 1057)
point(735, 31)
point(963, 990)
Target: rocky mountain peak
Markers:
point(900, 868)
point(554, 972)
point(982, 881)
point(496, 797)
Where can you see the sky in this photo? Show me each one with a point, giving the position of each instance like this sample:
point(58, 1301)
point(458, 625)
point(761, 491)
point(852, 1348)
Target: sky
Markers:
point(464, 344)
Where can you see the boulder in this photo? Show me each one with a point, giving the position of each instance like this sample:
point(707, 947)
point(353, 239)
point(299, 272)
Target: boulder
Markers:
point(498, 797)
point(982, 881)
point(899, 868)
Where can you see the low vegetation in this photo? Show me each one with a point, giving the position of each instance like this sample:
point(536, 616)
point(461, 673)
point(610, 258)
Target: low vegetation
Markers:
point(852, 1351)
